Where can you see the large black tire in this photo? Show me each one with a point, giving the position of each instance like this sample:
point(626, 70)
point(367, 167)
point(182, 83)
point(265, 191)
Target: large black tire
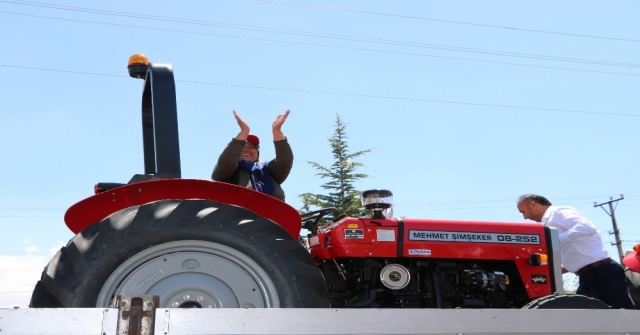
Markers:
point(192, 253)
point(566, 301)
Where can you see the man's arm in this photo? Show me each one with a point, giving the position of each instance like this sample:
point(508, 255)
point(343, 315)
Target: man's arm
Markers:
point(228, 160)
point(280, 167)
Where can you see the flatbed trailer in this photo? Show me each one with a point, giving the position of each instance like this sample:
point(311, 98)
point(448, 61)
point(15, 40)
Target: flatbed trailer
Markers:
point(178, 321)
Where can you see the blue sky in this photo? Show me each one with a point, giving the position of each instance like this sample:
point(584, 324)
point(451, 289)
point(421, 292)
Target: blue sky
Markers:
point(465, 105)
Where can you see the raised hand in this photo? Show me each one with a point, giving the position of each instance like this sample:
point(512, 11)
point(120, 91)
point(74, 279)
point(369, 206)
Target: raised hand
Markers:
point(244, 127)
point(276, 127)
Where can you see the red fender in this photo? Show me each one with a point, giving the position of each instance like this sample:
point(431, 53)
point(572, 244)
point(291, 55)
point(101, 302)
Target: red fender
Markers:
point(97, 207)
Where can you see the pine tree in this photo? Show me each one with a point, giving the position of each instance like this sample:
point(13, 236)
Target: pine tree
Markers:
point(341, 174)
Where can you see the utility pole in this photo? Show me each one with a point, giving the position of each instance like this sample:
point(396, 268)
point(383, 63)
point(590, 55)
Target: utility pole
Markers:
point(613, 219)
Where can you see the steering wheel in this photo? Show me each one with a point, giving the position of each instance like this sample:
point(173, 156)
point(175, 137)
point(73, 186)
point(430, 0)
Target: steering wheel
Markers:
point(310, 220)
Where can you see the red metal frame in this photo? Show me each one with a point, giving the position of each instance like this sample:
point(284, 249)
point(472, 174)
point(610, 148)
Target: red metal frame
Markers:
point(332, 243)
point(632, 260)
point(97, 207)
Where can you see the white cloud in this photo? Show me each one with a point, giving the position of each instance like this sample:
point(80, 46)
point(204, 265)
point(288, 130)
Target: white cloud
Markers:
point(54, 249)
point(18, 276)
point(30, 248)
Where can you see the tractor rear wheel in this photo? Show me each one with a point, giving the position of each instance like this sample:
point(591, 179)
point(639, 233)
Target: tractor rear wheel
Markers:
point(566, 301)
point(191, 253)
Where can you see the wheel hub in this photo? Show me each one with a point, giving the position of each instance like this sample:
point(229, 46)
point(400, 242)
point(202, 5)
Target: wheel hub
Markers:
point(193, 274)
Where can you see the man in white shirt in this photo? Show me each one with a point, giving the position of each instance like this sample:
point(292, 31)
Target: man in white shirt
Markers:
point(581, 250)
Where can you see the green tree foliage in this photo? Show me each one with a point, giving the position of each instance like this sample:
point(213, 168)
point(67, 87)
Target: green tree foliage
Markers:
point(341, 176)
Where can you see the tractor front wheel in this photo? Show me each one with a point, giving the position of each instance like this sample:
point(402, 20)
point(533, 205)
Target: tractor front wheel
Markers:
point(566, 301)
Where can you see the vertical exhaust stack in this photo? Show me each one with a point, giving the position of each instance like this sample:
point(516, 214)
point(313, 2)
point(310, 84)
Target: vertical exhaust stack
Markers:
point(159, 118)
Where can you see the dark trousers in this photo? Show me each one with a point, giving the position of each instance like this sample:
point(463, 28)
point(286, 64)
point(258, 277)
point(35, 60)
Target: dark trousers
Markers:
point(607, 284)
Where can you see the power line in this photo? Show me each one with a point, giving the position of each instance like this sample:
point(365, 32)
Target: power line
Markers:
point(106, 12)
point(483, 202)
point(499, 203)
point(348, 94)
point(315, 34)
point(327, 45)
point(35, 253)
point(452, 22)
point(411, 99)
point(427, 206)
point(514, 200)
point(31, 208)
point(13, 285)
point(64, 71)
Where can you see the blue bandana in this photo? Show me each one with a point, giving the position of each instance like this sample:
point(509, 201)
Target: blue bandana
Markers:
point(259, 173)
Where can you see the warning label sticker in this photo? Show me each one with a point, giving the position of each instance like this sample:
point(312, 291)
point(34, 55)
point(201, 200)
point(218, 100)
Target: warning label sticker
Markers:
point(459, 236)
point(353, 233)
point(385, 235)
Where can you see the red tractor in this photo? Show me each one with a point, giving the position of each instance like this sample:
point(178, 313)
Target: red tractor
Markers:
point(205, 244)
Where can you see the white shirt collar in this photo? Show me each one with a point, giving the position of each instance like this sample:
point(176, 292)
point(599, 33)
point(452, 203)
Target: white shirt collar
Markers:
point(547, 214)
